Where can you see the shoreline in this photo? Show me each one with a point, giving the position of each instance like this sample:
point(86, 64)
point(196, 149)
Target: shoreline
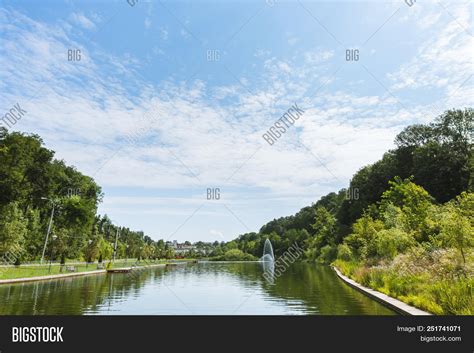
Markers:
point(396, 305)
point(76, 274)
point(49, 277)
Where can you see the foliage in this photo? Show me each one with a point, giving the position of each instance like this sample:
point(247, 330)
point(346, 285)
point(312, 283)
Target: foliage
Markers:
point(29, 174)
point(13, 229)
point(235, 255)
point(457, 223)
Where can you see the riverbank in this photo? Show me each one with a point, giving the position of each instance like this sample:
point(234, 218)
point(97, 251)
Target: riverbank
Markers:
point(44, 272)
point(420, 286)
point(394, 304)
point(49, 277)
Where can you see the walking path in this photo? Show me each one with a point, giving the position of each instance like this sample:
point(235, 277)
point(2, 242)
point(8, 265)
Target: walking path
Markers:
point(74, 274)
point(42, 278)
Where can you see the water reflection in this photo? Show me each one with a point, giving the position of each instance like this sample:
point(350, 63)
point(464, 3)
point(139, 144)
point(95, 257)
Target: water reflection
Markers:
point(269, 271)
point(234, 288)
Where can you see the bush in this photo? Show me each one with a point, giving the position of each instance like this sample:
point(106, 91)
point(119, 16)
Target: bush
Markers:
point(344, 252)
point(390, 242)
point(328, 254)
point(235, 255)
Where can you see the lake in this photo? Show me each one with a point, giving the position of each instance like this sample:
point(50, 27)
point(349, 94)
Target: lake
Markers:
point(193, 289)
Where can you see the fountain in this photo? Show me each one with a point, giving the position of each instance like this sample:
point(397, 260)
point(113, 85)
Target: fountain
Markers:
point(267, 252)
point(268, 262)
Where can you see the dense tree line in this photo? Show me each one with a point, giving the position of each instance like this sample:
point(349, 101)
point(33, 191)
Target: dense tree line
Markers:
point(436, 157)
point(31, 181)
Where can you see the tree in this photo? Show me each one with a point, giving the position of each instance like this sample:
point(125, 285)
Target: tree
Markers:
point(457, 229)
point(13, 228)
point(325, 234)
point(414, 202)
point(362, 238)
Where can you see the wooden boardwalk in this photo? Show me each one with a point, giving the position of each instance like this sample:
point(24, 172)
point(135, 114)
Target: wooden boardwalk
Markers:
point(119, 270)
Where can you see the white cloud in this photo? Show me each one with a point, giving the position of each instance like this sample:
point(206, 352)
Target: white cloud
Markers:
point(164, 33)
point(184, 33)
point(147, 23)
point(444, 60)
point(318, 56)
point(81, 20)
point(216, 233)
point(292, 39)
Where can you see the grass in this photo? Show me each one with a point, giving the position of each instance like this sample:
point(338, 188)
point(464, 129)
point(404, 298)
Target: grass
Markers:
point(26, 271)
point(448, 296)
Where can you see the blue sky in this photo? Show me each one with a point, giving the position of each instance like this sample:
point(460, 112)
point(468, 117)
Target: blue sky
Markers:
point(171, 98)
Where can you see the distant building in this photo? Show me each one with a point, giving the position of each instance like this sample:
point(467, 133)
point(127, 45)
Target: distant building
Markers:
point(181, 248)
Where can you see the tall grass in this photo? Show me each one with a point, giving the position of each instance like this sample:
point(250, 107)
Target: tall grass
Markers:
point(452, 296)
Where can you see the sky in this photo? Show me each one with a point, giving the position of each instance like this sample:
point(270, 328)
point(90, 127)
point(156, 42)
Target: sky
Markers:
point(160, 101)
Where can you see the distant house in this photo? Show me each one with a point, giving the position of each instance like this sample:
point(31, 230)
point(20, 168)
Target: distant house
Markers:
point(181, 248)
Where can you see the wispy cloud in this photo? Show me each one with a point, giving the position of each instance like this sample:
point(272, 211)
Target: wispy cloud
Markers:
point(81, 20)
point(203, 133)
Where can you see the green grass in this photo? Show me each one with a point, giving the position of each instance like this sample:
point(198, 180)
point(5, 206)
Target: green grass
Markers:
point(453, 296)
point(26, 271)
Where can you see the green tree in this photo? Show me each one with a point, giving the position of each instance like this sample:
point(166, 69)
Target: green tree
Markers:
point(13, 229)
point(325, 235)
point(414, 202)
point(457, 228)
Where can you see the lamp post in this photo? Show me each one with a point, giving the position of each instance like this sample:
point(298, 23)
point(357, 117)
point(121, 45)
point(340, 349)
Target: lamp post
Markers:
point(52, 248)
point(112, 246)
point(115, 245)
point(49, 227)
point(87, 258)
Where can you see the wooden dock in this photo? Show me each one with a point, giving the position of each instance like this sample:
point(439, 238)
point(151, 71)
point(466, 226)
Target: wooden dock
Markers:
point(119, 270)
point(176, 263)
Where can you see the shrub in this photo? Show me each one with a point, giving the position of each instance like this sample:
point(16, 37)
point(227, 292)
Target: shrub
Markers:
point(235, 255)
point(344, 252)
point(328, 254)
point(389, 242)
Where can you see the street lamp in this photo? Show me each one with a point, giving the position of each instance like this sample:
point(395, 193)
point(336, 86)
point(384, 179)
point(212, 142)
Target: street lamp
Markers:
point(49, 227)
point(115, 246)
point(87, 257)
point(54, 237)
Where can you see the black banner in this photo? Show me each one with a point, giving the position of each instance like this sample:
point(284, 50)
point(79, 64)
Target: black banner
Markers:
point(224, 333)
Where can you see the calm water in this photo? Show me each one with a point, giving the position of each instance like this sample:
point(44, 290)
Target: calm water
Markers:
point(205, 288)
